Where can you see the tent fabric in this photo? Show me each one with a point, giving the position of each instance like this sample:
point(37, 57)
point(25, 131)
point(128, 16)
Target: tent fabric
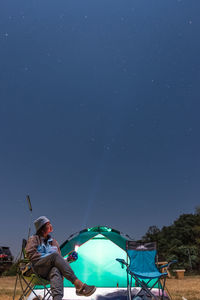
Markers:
point(98, 249)
point(83, 236)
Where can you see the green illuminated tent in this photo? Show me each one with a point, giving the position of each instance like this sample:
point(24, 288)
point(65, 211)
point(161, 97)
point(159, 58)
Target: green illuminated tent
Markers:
point(98, 249)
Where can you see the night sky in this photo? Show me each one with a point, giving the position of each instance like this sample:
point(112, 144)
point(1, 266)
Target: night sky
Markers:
point(99, 114)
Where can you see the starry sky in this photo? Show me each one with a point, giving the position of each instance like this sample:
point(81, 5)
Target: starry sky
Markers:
point(99, 114)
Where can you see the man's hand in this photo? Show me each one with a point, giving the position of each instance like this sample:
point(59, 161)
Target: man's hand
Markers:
point(73, 256)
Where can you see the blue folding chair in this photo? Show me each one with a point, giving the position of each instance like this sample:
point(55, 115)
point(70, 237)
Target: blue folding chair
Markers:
point(142, 268)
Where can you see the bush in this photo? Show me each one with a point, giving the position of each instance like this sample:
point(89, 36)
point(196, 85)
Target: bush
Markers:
point(12, 271)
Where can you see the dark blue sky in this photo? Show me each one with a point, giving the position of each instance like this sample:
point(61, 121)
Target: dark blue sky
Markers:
point(99, 114)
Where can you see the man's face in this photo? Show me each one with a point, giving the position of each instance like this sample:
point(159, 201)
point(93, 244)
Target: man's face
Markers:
point(48, 228)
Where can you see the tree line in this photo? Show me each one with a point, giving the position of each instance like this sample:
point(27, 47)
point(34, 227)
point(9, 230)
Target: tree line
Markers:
point(180, 241)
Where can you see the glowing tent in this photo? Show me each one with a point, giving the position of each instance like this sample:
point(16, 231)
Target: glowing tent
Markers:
point(98, 249)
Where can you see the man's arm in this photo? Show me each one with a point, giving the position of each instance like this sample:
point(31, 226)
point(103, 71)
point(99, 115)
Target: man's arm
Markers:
point(55, 243)
point(31, 248)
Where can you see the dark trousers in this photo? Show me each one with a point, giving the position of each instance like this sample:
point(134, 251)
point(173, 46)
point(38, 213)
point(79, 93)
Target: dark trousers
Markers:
point(53, 267)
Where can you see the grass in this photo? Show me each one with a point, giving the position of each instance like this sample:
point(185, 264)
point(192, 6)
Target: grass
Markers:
point(178, 288)
point(7, 288)
point(187, 287)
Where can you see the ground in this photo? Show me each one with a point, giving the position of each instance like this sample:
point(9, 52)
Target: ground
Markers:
point(178, 288)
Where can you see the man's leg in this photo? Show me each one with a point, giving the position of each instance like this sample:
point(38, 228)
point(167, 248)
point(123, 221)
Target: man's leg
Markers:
point(82, 289)
point(43, 266)
point(63, 266)
point(56, 281)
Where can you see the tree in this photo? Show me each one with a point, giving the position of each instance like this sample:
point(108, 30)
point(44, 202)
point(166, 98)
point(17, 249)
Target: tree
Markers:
point(180, 241)
point(151, 234)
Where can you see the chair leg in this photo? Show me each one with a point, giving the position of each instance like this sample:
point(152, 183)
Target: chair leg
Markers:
point(163, 288)
point(145, 288)
point(28, 286)
point(14, 294)
point(23, 291)
point(128, 288)
point(47, 291)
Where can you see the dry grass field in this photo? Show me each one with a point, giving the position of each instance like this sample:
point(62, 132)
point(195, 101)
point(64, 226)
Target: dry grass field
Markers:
point(189, 288)
point(6, 287)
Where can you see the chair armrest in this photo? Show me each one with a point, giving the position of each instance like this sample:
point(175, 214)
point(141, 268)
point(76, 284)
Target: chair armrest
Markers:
point(172, 262)
point(122, 262)
point(163, 266)
point(168, 265)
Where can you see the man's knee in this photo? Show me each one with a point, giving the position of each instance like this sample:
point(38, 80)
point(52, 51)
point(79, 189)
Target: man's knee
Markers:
point(55, 273)
point(54, 255)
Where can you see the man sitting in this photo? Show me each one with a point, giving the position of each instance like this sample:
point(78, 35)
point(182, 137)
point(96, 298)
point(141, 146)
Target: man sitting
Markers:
point(44, 253)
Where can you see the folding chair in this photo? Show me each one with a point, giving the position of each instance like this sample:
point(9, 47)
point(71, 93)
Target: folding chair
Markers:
point(28, 278)
point(142, 268)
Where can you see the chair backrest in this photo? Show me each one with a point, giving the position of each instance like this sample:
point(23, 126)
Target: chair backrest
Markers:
point(142, 257)
point(24, 242)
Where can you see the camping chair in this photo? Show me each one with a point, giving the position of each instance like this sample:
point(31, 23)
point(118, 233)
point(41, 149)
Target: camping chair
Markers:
point(142, 268)
point(28, 278)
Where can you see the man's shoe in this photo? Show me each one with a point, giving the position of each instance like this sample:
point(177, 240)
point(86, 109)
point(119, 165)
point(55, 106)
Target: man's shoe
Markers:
point(86, 290)
point(39, 297)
